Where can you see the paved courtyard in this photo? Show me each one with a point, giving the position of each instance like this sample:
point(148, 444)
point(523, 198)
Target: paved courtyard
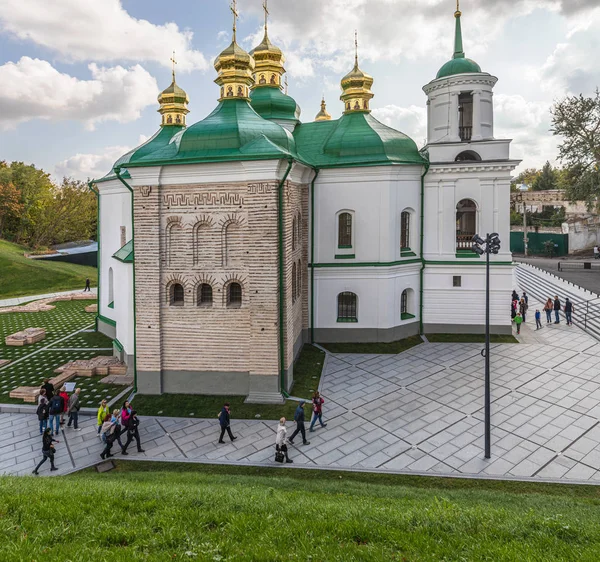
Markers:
point(418, 412)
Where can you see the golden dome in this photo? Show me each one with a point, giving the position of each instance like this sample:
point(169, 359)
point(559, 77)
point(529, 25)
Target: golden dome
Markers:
point(269, 60)
point(173, 102)
point(356, 87)
point(323, 115)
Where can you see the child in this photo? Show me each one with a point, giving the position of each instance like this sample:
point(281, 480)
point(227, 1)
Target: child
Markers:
point(538, 319)
point(517, 320)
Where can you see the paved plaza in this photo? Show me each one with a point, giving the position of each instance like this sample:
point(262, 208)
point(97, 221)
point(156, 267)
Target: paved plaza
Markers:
point(420, 411)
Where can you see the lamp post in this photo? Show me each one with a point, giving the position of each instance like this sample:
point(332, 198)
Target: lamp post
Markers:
point(491, 245)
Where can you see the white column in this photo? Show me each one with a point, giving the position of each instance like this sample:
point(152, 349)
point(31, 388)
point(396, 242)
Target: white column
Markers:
point(453, 132)
point(476, 133)
point(429, 123)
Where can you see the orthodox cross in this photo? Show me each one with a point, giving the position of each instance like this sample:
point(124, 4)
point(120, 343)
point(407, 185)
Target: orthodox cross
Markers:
point(266, 9)
point(233, 8)
point(172, 59)
point(356, 47)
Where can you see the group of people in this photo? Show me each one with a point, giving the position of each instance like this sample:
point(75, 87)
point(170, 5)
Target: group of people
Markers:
point(519, 307)
point(281, 439)
point(53, 406)
point(112, 425)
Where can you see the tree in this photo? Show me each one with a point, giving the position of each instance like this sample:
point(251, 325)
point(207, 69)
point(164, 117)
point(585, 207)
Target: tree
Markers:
point(577, 120)
point(527, 177)
point(10, 204)
point(546, 180)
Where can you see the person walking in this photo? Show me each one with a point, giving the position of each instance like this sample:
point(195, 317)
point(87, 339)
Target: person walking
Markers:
point(299, 419)
point(132, 432)
point(526, 298)
point(225, 422)
point(556, 310)
point(523, 306)
point(548, 309)
point(538, 320)
point(125, 413)
point(569, 309)
point(515, 295)
point(596, 252)
point(49, 388)
point(47, 451)
point(317, 405)
point(87, 285)
point(56, 407)
point(103, 413)
point(108, 435)
point(518, 321)
point(43, 411)
point(73, 411)
point(65, 396)
point(280, 440)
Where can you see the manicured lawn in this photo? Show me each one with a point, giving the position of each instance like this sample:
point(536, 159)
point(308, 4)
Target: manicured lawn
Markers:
point(471, 338)
point(307, 374)
point(153, 513)
point(374, 348)
point(22, 276)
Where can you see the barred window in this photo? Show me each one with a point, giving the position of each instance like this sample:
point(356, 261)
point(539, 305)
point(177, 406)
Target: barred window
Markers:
point(404, 302)
point(205, 295)
point(345, 230)
point(294, 227)
point(176, 295)
point(234, 295)
point(347, 307)
point(405, 230)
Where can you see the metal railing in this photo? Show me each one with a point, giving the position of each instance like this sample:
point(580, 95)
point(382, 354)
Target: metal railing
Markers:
point(464, 241)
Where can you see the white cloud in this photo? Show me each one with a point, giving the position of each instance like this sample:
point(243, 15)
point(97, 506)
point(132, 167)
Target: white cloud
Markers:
point(83, 30)
point(412, 121)
point(90, 166)
point(34, 89)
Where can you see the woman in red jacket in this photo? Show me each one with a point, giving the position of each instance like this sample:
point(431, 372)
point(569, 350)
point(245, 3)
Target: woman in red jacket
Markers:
point(65, 396)
point(317, 404)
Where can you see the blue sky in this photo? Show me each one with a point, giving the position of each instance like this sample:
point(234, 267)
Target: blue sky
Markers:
point(80, 77)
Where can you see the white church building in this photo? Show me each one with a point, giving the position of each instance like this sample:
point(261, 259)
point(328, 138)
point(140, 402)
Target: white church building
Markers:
point(227, 244)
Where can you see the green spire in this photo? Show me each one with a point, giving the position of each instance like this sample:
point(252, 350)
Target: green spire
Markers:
point(458, 44)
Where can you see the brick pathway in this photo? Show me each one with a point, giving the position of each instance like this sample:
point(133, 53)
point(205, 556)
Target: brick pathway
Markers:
point(416, 412)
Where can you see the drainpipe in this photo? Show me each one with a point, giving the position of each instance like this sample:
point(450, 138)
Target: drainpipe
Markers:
point(118, 172)
point(97, 193)
point(281, 297)
point(421, 247)
point(312, 257)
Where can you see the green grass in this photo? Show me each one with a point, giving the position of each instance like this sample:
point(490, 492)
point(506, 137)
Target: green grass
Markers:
point(22, 276)
point(471, 338)
point(153, 513)
point(307, 374)
point(374, 348)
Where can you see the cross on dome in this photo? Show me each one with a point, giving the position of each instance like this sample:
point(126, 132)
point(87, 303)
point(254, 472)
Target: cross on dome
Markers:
point(233, 8)
point(172, 59)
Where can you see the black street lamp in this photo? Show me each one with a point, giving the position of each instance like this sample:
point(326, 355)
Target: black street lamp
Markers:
point(492, 246)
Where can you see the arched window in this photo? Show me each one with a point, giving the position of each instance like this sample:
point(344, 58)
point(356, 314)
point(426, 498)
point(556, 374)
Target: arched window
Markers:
point(346, 304)
point(468, 156)
point(294, 226)
point(466, 224)
point(299, 282)
point(176, 294)
point(345, 230)
point(406, 304)
point(205, 295)
point(234, 295)
point(111, 288)
point(294, 283)
point(405, 230)
point(299, 226)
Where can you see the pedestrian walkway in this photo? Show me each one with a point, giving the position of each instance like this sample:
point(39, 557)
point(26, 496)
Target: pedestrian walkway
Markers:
point(418, 412)
point(22, 300)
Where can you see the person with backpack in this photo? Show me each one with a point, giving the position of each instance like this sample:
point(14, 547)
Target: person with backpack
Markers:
point(224, 421)
point(74, 406)
point(56, 408)
point(280, 441)
point(47, 451)
point(569, 309)
point(65, 396)
point(49, 388)
point(556, 310)
point(299, 419)
point(103, 413)
point(109, 434)
point(132, 433)
point(523, 306)
point(317, 405)
point(43, 411)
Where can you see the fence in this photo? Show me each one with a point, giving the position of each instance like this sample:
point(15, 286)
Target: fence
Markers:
point(536, 243)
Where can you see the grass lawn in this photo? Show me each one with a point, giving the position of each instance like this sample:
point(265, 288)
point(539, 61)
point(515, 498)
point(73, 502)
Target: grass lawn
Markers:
point(471, 338)
point(22, 276)
point(215, 513)
point(307, 374)
point(374, 348)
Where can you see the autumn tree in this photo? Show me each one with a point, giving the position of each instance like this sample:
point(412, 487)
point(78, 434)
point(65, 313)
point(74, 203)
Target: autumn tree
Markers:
point(10, 204)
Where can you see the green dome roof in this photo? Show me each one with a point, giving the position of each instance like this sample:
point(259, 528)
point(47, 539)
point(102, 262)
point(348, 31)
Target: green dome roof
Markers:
point(272, 103)
point(233, 131)
point(458, 66)
point(356, 139)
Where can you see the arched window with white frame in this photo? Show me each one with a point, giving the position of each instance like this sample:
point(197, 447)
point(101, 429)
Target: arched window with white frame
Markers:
point(345, 230)
point(405, 231)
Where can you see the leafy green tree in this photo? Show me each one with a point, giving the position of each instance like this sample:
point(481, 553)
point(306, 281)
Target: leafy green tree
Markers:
point(577, 120)
point(546, 180)
point(527, 177)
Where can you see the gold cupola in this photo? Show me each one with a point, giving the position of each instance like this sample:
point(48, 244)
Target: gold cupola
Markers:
point(173, 103)
point(356, 87)
point(268, 59)
point(234, 67)
point(323, 115)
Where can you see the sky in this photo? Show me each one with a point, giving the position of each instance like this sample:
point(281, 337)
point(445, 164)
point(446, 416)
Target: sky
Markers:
point(79, 78)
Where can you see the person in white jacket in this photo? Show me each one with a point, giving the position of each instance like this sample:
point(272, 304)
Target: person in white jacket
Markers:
point(281, 440)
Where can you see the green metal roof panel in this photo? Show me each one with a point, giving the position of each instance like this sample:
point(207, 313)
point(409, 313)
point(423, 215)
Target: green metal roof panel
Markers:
point(458, 66)
point(233, 131)
point(125, 254)
point(356, 139)
point(272, 103)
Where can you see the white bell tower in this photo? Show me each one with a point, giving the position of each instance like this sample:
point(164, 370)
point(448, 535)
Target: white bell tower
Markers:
point(467, 192)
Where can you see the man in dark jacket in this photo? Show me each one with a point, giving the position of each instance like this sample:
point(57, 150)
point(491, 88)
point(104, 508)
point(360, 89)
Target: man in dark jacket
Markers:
point(132, 433)
point(299, 419)
point(47, 450)
point(49, 388)
point(556, 310)
point(57, 407)
point(225, 422)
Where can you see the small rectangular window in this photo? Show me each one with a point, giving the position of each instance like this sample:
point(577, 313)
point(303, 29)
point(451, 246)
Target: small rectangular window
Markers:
point(123, 236)
point(457, 281)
